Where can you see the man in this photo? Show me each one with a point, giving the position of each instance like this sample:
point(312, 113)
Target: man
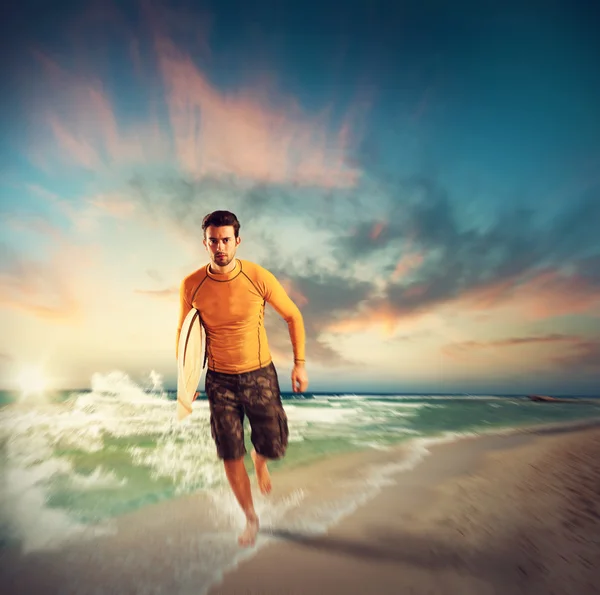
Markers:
point(230, 295)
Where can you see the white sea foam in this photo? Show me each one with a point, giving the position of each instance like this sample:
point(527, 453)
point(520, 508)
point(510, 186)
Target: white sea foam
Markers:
point(31, 434)
point(371, 444)
point(399, 405)
point(298, 414)
point(119, 384)
point(415, 397)
point(25, 513)
point(98, 478)
point(185, 454)
point(340, 397)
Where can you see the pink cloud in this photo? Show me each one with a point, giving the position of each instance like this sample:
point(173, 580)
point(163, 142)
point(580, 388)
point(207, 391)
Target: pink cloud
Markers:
point(84, 213)
point(377, 229)
point(407, 264)
point(377, 314)
point(548, 294)
point(80, 149)
point(253, 133)
point(51, 287)
point(295, 294)
point(466, 347)
point(43, 289)
point(585, 354)
point(114, 205)
point(245, 134)
point(567, 351)
point(78, 113)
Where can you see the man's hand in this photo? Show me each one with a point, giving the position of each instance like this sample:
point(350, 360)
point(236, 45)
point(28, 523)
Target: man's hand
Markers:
point(299, 378)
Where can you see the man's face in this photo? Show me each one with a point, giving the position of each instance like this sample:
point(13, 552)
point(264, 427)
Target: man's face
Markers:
point(221, 244)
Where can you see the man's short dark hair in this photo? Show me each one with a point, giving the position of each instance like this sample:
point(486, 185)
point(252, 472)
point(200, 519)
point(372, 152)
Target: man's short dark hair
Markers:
point(221, 219)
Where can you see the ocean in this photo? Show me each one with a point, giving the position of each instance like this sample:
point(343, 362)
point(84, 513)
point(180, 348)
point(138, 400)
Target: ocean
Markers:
point(74, 460)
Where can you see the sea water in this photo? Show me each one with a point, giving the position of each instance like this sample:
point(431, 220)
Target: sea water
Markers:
point(74, 460)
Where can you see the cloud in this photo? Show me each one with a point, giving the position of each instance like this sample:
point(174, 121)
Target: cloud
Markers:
point(6, 361)
point(321, 299)
point(589, 269)
point(318, 352)
point(154, 275)
point(544, 294)
point(255, 132)
point(536, 296)
point(179, 205)
point(514, 263)
point(584, 355)
point(83, 214)
point(556, 356)
point(575, 232)
point(295, 294)
point(377, 229)
point(78, 112)
point(44, 289)
point(365, 238)
point(169, 293)
point(406, 264)
point(113, 204)
point(248, 133)
point(53, 285)
point(464, 347)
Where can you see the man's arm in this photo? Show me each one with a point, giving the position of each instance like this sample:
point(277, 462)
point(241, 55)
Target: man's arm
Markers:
point(275, 294)
point(184, 308)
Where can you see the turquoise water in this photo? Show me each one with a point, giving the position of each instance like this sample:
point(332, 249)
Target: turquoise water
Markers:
point(81, 457)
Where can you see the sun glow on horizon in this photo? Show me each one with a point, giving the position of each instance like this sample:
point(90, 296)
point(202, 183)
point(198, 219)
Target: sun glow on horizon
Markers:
point(32, 380)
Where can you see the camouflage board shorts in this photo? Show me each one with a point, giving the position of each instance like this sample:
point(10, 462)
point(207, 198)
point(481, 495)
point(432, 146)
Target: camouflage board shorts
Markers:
point(255, 394)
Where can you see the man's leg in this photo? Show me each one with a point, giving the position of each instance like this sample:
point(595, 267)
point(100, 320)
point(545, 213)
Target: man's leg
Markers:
point(262, 472)
point(268, 421)
point(226, 422)
point(240, 484)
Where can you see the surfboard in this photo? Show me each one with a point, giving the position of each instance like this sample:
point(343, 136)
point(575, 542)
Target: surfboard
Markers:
point(190, 359)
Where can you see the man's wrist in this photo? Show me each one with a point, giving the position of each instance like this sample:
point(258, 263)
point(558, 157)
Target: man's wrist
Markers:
point(299, 362)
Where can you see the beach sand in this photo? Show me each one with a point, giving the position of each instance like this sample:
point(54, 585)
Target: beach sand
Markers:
point(493, 514)
point(488, 515)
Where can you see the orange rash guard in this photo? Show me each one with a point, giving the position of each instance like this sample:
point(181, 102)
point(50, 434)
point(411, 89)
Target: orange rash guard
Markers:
point(232, 309)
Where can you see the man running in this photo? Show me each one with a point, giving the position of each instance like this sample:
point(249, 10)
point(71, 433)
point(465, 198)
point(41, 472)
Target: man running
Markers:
point(230, 295)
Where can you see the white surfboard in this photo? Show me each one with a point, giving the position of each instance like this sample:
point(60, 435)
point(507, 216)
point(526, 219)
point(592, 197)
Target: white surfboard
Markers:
point(189, 362)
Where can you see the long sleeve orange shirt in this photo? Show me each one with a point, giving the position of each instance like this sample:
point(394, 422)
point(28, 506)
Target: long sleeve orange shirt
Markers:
point(232, 309)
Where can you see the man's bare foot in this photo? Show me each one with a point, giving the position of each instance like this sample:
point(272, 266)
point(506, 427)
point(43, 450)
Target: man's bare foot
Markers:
point(248, 537)
point(262, 473)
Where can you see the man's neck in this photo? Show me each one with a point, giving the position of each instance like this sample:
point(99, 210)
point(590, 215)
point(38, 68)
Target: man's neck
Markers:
point(223, 270)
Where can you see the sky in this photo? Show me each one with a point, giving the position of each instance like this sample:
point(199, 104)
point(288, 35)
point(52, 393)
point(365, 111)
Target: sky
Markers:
point(423, 178)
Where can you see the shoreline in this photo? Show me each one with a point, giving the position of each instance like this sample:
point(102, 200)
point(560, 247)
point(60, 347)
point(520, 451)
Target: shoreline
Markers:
point(171, 546)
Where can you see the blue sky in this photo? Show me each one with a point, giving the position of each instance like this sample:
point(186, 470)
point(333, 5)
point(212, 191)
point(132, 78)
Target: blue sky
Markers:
point(423, 178)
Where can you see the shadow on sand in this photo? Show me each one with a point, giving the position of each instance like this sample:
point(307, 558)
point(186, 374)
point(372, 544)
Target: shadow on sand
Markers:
point(499, 566)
